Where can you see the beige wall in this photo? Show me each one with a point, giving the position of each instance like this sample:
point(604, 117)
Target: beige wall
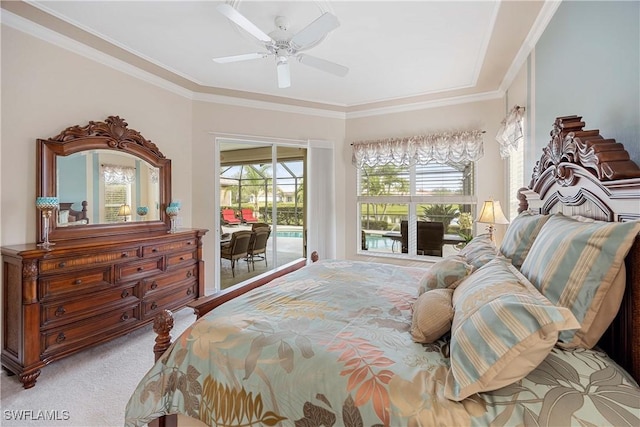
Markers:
point(45, 89)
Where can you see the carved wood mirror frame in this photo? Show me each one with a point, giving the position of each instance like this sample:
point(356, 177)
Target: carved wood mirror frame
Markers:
point(112, 134)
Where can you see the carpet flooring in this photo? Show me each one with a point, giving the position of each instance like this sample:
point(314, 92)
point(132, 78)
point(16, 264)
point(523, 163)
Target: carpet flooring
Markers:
point(88, 389)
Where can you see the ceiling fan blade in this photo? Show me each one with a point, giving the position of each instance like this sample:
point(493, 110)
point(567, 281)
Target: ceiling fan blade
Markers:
point(236, 58)
point(323, 64)
point(315, 30)
point(284, 76)
point(244, 23)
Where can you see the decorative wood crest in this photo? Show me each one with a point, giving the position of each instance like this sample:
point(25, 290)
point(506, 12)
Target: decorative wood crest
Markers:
point(114, 128)
point(605, 158)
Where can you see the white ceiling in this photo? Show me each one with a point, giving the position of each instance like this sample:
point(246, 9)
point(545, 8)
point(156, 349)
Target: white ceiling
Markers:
point(396, 51)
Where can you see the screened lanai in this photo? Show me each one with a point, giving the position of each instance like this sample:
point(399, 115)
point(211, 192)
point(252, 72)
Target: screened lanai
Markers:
point(273, 193)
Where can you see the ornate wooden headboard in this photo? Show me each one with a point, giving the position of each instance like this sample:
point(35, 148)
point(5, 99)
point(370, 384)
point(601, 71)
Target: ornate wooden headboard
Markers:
point(582, 173)
point(75, 215)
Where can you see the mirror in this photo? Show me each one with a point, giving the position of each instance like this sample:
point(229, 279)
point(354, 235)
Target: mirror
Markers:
point(108, 179)
point(117, 187)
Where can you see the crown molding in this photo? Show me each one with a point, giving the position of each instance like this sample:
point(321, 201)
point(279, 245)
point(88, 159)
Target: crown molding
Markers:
point(36, 30)
point(265, 105)
point(549, 9)
point(425, 105)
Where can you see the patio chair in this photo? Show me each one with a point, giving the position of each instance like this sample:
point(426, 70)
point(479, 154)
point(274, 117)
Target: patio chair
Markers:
point(237, 248)
point(256, 225)
point(258, 246)
point(229, 217)
point(430, 237)
point(247, 215)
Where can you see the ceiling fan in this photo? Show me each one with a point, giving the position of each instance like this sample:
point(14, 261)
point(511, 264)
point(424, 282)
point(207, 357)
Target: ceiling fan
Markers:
point(283, 46)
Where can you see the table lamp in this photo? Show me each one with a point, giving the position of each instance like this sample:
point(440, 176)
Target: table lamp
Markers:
point(491, 214)
point(125, 211)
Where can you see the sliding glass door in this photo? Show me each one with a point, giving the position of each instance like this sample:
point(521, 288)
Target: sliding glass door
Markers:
point(260, 185)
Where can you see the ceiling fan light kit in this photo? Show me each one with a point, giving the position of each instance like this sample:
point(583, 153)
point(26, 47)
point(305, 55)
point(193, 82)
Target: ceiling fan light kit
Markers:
point(282, 47)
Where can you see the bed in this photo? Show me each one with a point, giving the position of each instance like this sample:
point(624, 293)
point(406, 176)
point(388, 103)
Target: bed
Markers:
point(67, 216)
point(342, 342)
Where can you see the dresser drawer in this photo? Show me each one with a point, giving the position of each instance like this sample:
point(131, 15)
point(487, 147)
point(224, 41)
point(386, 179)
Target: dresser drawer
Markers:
point(177, 298)
point(168, 280)
point(64, 264)
point(85, 280)
point(72, 309)
point(89, 331)
point(180, 245)
point(181, 258)
point(135, 270)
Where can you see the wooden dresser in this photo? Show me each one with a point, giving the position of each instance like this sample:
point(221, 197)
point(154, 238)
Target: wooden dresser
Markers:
point(84, 292)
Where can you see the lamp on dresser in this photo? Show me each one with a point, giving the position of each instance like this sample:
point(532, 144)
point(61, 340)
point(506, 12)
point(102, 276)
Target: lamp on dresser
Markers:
point(46, 205)
point(124, 212)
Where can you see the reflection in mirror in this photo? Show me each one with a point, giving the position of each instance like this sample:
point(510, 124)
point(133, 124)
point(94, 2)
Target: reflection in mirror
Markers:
point(116, 186)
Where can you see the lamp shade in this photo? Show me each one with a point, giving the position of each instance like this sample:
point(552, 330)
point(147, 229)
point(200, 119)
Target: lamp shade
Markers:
point(125, 210)
point(491, 213)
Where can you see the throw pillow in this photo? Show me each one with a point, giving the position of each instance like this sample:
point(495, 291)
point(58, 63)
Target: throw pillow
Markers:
point(502, 329)
point(574, 264)
point(446, 273)
point(432, 315)
point(479, 251)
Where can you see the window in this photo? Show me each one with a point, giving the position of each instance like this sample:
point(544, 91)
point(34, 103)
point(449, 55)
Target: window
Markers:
point(389, 195)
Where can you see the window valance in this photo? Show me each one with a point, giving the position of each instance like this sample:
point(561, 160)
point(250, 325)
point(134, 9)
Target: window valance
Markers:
point(511, 131)
point(449, 147)
point(117, 174)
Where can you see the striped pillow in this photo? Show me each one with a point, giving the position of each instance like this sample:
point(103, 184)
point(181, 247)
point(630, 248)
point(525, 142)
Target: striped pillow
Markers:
point(520, 236)
point(502, 329)
point(574, 263)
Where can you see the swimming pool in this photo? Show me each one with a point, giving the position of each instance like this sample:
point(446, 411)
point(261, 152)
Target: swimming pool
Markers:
point(297, 234)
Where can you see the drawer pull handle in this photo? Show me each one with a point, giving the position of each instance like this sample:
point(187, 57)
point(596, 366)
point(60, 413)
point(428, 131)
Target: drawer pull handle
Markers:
point(140, 268)
point(62, 264)
point(189, 273)
point(78, 282)
point(124, 294)
point(154, 285)
point(124, 317)
point(189, 242)
point(60, 337)
point(60, 311)
point(154, 306)
point(181, 258)
point(125, 255)
point(154, 250)
point(189, 291)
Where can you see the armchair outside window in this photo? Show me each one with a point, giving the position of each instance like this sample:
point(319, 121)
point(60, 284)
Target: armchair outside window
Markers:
point(430, 237)
point(238, 248)
point(258, 245)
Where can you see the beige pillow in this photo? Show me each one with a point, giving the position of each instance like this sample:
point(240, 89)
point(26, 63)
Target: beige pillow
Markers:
point(432, 315)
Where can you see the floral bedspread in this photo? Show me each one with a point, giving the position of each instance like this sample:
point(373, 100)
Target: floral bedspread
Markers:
point(329, 345)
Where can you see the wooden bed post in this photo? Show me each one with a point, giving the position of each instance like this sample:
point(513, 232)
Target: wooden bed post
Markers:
point(162, 325)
